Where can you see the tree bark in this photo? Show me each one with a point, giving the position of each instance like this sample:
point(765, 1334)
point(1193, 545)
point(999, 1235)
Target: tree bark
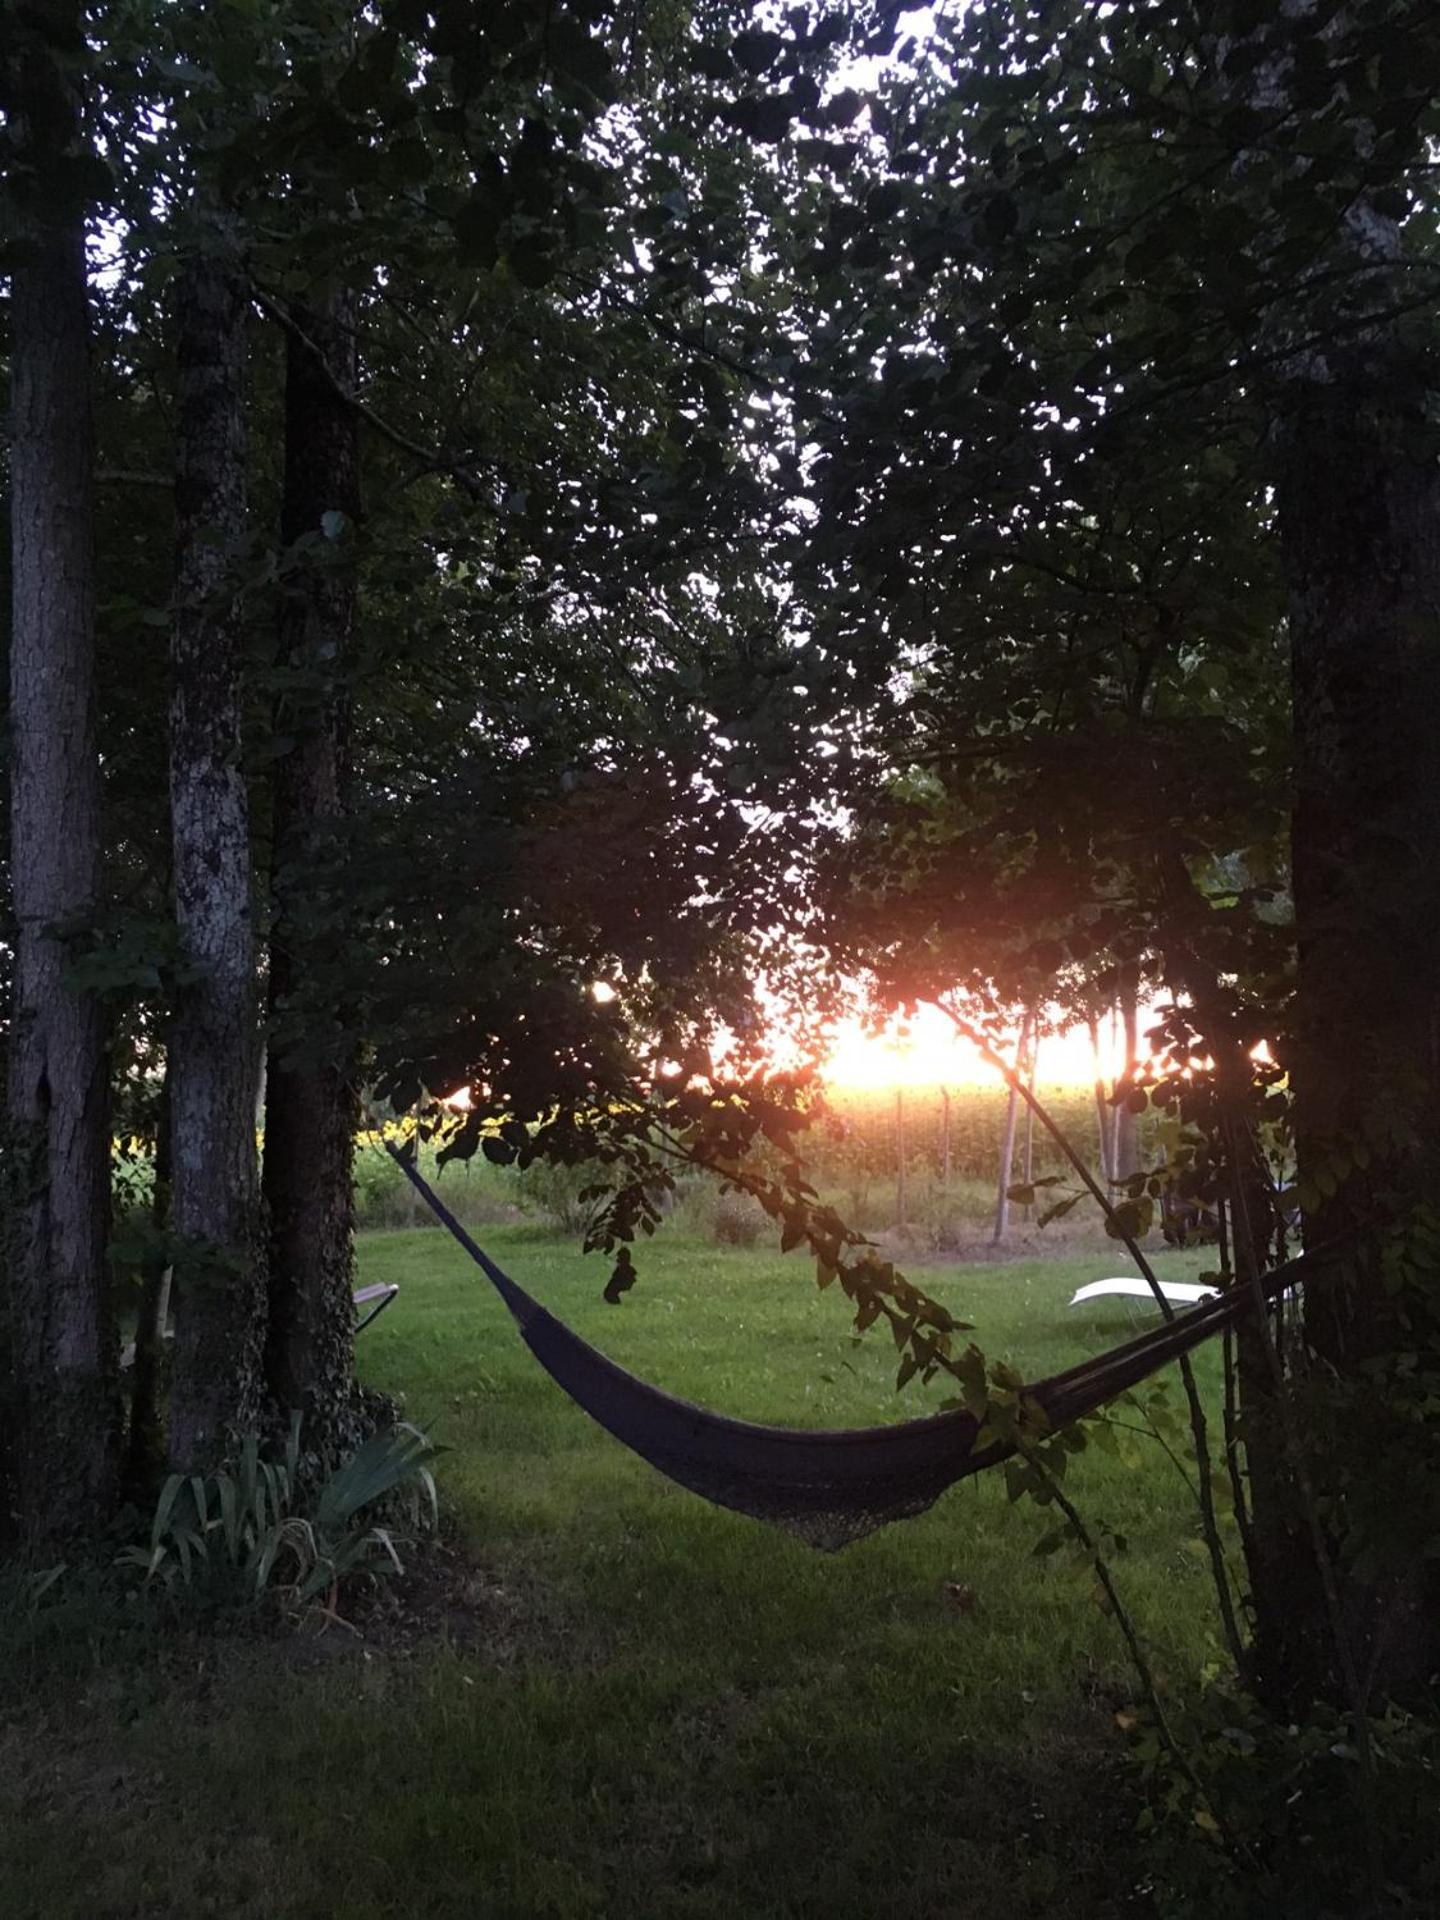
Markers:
point(63, 1465)
point(1102, 1105)
point(311, 1109)
point(1027, 1147)
point(216, 1390)
point(1125, 1158)
point(1007, 1143)
point(1359, 503)
point(145, 1451)
point(1348, 389)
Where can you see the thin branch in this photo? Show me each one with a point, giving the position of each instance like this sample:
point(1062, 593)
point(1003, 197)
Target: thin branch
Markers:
point(432, 459)
point(1199, 1426)
point(1310, 1506)
point(1122, 1618)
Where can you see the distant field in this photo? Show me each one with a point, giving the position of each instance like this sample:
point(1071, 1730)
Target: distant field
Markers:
point(852, 1153)
point(645, 1706)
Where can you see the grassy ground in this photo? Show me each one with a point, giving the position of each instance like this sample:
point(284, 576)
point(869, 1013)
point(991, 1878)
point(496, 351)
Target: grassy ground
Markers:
point(636, 1704)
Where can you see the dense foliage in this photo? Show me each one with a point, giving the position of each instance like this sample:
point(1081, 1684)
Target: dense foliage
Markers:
point(544, 533)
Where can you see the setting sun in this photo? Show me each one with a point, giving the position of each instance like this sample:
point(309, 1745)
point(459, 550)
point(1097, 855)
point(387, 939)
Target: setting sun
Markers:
point(924, 1050)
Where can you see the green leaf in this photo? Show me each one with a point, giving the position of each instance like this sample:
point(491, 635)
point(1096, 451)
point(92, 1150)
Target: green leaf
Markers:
point(622, 1279)
point(1061, 1208)
point(1132, 1219)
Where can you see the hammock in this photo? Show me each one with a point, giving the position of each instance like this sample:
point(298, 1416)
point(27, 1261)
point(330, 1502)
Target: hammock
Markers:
point(828, 1487)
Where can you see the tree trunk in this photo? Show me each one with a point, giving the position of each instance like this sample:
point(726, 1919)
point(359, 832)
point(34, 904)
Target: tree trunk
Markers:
point(311, 1110)
point(902, 1195)
point(1359, 499)
point(64, 1420)
point(1126, 1153)
point(146, 1441)
point(1349, 392)
point(1027, 1147)
point(1007, 1143)
point(1102, 1105)
point(216, 1390)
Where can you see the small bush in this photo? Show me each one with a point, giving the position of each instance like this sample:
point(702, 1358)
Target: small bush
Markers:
point(476, 1192)
point(554, 1191)
point(737, 1220)
point(240, 1539)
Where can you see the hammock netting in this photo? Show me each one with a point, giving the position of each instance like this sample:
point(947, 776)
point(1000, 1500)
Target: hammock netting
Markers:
point(833, 1486)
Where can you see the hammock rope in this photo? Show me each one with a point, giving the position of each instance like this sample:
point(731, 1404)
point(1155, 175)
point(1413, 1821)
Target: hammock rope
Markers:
point(827, 1486)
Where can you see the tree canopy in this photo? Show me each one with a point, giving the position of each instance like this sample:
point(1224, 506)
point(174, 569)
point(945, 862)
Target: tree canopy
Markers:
point(543, 533)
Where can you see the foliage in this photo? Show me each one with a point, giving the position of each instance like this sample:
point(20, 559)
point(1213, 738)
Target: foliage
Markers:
point(1285, 1790)
point(260, 1535)
point(736, 1221)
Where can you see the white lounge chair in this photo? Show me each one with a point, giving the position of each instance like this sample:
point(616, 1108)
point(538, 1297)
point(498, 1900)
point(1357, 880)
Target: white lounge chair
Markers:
point(377, 1298)
point(1180, 1293)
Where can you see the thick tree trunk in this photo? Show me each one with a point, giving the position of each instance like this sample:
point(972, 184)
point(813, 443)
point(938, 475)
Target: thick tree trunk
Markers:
point(64, 1456)
point(311, 1107)
point(1359, 498)
point(1349, 391)
point(1360, 494)
point(216, 1390)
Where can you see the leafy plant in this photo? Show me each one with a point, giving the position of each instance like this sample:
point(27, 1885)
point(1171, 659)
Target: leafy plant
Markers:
point(257, 1533)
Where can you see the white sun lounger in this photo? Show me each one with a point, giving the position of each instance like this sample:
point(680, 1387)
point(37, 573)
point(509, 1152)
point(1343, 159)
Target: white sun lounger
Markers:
point(1180, 1293)
point(377, 1298)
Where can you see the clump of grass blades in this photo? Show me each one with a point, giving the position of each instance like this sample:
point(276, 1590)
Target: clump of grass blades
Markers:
point(257, 1535)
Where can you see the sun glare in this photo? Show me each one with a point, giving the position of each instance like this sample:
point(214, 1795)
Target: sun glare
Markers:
point(924, 1050)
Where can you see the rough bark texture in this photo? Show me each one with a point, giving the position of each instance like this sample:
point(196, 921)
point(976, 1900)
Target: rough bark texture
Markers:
point(1359, 496)
point(1349, 389)
point(64, 1427)
point(311, 1106)
point(219, 1289)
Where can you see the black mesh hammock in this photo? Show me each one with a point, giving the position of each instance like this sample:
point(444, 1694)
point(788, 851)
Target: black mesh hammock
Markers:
point(832, 1486)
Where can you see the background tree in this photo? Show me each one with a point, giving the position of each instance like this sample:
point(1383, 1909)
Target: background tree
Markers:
point(1129, 264)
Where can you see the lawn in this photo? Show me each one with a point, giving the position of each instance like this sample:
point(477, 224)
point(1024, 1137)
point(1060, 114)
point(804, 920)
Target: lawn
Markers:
point(636, 1704)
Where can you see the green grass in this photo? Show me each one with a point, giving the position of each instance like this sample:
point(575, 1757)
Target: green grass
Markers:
point(645, 1706)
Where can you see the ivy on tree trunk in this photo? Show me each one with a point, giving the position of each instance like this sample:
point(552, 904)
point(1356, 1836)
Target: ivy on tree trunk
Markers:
point(64, 1419)
point(311, 1106)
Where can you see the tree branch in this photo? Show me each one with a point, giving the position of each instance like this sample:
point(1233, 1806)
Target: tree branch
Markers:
point(432, 459)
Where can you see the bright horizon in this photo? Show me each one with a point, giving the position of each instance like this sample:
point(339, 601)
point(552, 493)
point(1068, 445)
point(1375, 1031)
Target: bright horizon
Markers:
point(924, 1050)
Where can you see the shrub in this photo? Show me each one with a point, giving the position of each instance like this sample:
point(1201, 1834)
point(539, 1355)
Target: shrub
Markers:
point(554, 1191)
point(475, 1192)
point(737, 1220)
point(241, 1538)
